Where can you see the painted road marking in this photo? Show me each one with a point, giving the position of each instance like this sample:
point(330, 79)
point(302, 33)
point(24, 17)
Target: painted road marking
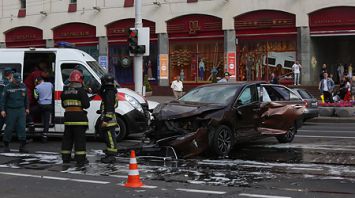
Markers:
point(261, 196)
point(317, 136)
point(55, 178)
point(313, 131)
point(201, 191)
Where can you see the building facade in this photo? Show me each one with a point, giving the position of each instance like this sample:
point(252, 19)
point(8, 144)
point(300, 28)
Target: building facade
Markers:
point(193, 38)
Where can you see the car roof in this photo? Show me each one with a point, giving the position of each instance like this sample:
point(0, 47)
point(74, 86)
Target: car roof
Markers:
point(242, 83)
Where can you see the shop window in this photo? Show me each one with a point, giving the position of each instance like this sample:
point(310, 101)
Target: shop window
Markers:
point(191, 1)
point(22, 10)
point(196, 62)
point(257, 59)
point(72, 6)
point(128, 3)
point(121, 64)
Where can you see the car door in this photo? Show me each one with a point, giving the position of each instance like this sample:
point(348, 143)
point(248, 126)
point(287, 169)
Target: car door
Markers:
point(247, 109)
point(281, 112)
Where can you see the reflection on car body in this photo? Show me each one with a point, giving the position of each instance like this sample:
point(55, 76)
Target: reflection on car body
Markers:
point(217, 116)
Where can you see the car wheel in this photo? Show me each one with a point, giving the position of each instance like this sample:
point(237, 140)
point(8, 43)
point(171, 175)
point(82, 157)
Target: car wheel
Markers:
point(222, 141)
point(288, 137)
point(121, 130)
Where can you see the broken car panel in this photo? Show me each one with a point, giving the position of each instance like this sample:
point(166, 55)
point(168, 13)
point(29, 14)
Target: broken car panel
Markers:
point(217, 116)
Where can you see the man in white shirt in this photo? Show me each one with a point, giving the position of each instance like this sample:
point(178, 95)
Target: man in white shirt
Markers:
point(177, 87)
point(296, 68)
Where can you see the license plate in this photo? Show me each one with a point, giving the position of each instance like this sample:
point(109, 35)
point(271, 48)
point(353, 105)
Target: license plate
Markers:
point(314, 104)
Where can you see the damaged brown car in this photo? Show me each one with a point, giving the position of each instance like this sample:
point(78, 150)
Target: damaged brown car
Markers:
point(215, 117)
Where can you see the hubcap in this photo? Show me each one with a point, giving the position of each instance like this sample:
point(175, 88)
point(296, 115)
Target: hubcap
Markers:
point(224, 141)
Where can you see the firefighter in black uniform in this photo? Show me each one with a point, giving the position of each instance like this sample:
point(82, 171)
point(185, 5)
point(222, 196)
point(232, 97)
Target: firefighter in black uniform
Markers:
point(74, 101)
point(109, 103)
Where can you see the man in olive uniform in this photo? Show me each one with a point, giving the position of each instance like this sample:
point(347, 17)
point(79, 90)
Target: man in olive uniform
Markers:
point(7, 77)
point(14, 106)
point(109, 103)
point(74, 101)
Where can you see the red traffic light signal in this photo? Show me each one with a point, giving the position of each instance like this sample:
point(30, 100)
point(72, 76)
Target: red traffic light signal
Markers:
point(134, 48)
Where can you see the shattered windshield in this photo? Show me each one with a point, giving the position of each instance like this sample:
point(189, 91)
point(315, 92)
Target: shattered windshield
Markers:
point(221, 94)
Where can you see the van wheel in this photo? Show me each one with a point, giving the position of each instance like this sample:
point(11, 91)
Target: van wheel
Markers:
point(121, 130)
point(288, 137)
point(222, 141)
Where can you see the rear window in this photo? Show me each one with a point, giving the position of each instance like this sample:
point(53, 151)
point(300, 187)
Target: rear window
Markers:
point(304, 94)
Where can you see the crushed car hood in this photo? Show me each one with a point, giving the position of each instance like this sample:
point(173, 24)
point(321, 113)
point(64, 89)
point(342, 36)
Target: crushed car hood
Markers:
point(177, 109)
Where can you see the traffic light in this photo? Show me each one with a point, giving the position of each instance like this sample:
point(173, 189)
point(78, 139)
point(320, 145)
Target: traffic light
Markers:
point(134, 48)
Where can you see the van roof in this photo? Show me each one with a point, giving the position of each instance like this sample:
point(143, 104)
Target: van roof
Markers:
point(64, 53)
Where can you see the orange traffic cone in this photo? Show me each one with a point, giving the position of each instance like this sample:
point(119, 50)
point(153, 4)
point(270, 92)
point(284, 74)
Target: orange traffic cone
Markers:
point(133, 180)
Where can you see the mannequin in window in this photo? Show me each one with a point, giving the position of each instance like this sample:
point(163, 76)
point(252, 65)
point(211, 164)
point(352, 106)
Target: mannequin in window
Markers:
point(201, 69)
point(182, 74)
point(149, 70)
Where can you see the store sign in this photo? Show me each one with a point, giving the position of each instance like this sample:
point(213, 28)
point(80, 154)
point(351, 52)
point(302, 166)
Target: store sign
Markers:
point(23, 34)
point(74, 34)
point(164, 66)
point(103, 61)
point(231, 64)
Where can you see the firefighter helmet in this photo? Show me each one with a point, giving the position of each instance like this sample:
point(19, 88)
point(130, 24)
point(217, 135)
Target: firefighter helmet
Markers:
point(76, 76)
point(107, 80)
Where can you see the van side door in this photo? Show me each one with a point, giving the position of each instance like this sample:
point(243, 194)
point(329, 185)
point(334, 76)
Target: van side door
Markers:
point(91, 85)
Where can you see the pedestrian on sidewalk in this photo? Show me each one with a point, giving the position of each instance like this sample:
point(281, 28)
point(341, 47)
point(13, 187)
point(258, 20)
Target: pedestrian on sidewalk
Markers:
point(43, 94)
point(296, 68)
point(225, 78)
point(348, 89)
point(14, 106)
point(109, 103)
point(326, 87)
point(177, 87)
point(323, 70)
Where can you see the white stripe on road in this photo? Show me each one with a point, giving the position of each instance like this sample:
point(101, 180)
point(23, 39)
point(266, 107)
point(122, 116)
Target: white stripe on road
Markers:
point(319, 136)
point(90, 181)
point(20, 175)
point(260, 196)
point(313, 131)
point(201, 191)
point(55, 178)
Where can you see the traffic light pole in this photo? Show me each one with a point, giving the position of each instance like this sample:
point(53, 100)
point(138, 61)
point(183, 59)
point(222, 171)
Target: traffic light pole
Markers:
point(138, 59)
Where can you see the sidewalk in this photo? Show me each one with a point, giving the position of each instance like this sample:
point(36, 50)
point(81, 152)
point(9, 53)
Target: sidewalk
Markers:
point(322, 119)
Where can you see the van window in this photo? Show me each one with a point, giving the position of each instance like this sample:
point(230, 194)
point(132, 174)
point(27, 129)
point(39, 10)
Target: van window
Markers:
point(89, 79)
point(15, 67)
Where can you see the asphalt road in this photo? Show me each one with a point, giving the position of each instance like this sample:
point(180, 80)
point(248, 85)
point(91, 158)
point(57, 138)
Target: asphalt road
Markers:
point(319, 163)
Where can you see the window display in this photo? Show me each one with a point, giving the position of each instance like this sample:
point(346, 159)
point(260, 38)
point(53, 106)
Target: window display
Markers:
point(196, 62)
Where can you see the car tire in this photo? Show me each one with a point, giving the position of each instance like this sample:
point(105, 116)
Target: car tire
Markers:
point(222, 141)
point(288, 137)
point(121, 130)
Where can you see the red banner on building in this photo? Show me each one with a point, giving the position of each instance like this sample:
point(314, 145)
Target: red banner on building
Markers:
point(231, 63)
